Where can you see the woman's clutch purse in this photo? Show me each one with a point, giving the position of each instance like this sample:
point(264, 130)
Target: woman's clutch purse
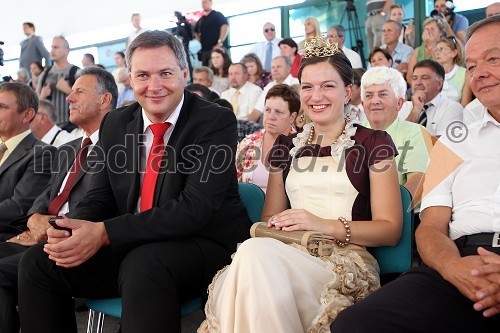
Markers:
point(318, 244)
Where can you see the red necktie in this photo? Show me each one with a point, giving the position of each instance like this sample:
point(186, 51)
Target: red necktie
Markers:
point(56, 203)
point(153, 165)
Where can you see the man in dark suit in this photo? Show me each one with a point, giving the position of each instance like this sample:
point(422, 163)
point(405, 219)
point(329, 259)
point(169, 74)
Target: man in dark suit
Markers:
point(32, 48)
point(24, 160)
point(94, 94)
point(158, 236)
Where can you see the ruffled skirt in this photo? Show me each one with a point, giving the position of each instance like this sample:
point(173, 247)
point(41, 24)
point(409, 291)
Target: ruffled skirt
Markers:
point(274, 287)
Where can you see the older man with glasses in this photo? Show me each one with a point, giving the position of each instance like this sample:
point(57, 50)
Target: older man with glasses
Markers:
point(336, 34)
point(268, 50)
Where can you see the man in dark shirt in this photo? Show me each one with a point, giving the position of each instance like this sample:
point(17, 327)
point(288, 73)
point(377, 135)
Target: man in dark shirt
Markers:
point(210, 30)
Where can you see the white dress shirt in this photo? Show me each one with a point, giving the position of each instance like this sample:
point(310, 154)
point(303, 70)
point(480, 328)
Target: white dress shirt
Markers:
point(57, 136)
point(148, 141)
point(353, 57)
point(260, 49)
point(262, 99)
point(94, 138)
point(474, 111)
point(249, 95)
point(464, 175)
point(440, 115)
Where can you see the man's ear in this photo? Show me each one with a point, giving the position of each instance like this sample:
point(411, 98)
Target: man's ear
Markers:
point(29, 115)
point(106, 101)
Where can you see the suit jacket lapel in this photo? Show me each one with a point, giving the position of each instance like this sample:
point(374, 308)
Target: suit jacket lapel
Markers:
point(135, 127)
point(22, 149)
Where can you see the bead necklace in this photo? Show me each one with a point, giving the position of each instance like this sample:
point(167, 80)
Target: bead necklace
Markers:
point(312, 131)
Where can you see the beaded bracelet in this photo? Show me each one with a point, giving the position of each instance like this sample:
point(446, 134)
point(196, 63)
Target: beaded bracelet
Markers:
point(347, 233)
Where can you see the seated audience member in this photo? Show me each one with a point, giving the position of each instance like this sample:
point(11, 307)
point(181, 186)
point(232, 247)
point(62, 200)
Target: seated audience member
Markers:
point(407, 35)
point(243, 95)
point(88, 60)
point(203, 75)
point(256, 74)
point(383, 91)
point(268, 50)
point(493, 9)
point(400, 53)
point(23, 76)
point(450, 55)
point(128, 232)
point(243, 127)
point(312, 28)
point(456, 24)
point(311, 188)
point(380, 57)
point(355, 107)
point(36, 68)
point(281, 68)
point(220, 65)
point(24, 160)
point(45, 129)
point(68, 185)
point(288, 49)
point(336, 34)
point(127, 96)
point(428, 106)
point(434, 28)
point(282, 107)
point(458, 289)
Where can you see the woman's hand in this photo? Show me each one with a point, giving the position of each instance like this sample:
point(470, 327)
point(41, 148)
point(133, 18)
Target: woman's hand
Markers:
point(298, 219)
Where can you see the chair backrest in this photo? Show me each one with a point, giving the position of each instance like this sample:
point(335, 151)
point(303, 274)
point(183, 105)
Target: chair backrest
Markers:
point(398, 259)
point(253, 199)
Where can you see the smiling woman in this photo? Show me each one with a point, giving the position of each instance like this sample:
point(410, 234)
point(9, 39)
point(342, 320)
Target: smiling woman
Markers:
point(309, 188)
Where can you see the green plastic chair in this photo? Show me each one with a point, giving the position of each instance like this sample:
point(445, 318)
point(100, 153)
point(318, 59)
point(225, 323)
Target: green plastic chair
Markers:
point(253, 200)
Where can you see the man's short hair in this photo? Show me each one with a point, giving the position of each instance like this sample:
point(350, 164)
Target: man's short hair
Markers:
point(383, 75)
point(105, 82)
point(196, 87)
point(242, 65)
point(339, 28)
point(65, 41)
point(398, 25)
point(480, 24)
point(288, 62)
point(155, 39)
point(90, 57)
point(30, 24)
point(205, 69)
point(26, 97)
point(135, 14)
point(435, 66)
point(24, 72)
point(47, 107)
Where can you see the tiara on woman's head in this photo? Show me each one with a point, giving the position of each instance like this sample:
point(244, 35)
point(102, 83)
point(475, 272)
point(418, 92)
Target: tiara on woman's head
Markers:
point(319, 47)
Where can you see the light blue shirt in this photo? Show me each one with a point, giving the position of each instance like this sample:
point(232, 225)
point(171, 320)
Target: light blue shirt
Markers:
point(402, 53)
point(127, 95)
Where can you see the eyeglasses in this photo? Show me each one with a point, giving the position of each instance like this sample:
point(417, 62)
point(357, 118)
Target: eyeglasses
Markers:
point(269, 29)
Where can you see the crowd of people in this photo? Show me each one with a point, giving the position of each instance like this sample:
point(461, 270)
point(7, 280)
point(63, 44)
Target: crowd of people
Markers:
point(140, 171)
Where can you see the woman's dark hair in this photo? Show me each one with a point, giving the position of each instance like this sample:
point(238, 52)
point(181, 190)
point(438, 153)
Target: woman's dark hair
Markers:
point(288, 94)
point(290, 42)
point(386, 53)
point(38, 64)
point(338, 61)
point(227, 62)
point(252, 57)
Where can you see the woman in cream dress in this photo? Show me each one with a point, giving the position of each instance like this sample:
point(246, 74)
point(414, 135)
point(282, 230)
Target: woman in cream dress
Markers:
point(335, 177)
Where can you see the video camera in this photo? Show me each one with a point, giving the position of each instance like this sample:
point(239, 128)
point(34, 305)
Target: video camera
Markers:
point(183, 29)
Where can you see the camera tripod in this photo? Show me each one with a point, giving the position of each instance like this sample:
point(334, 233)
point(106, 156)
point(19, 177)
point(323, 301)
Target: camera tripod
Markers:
point(354, 28)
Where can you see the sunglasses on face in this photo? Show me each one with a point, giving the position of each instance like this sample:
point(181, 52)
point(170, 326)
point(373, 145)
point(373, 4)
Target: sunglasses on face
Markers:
point(269, 29)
